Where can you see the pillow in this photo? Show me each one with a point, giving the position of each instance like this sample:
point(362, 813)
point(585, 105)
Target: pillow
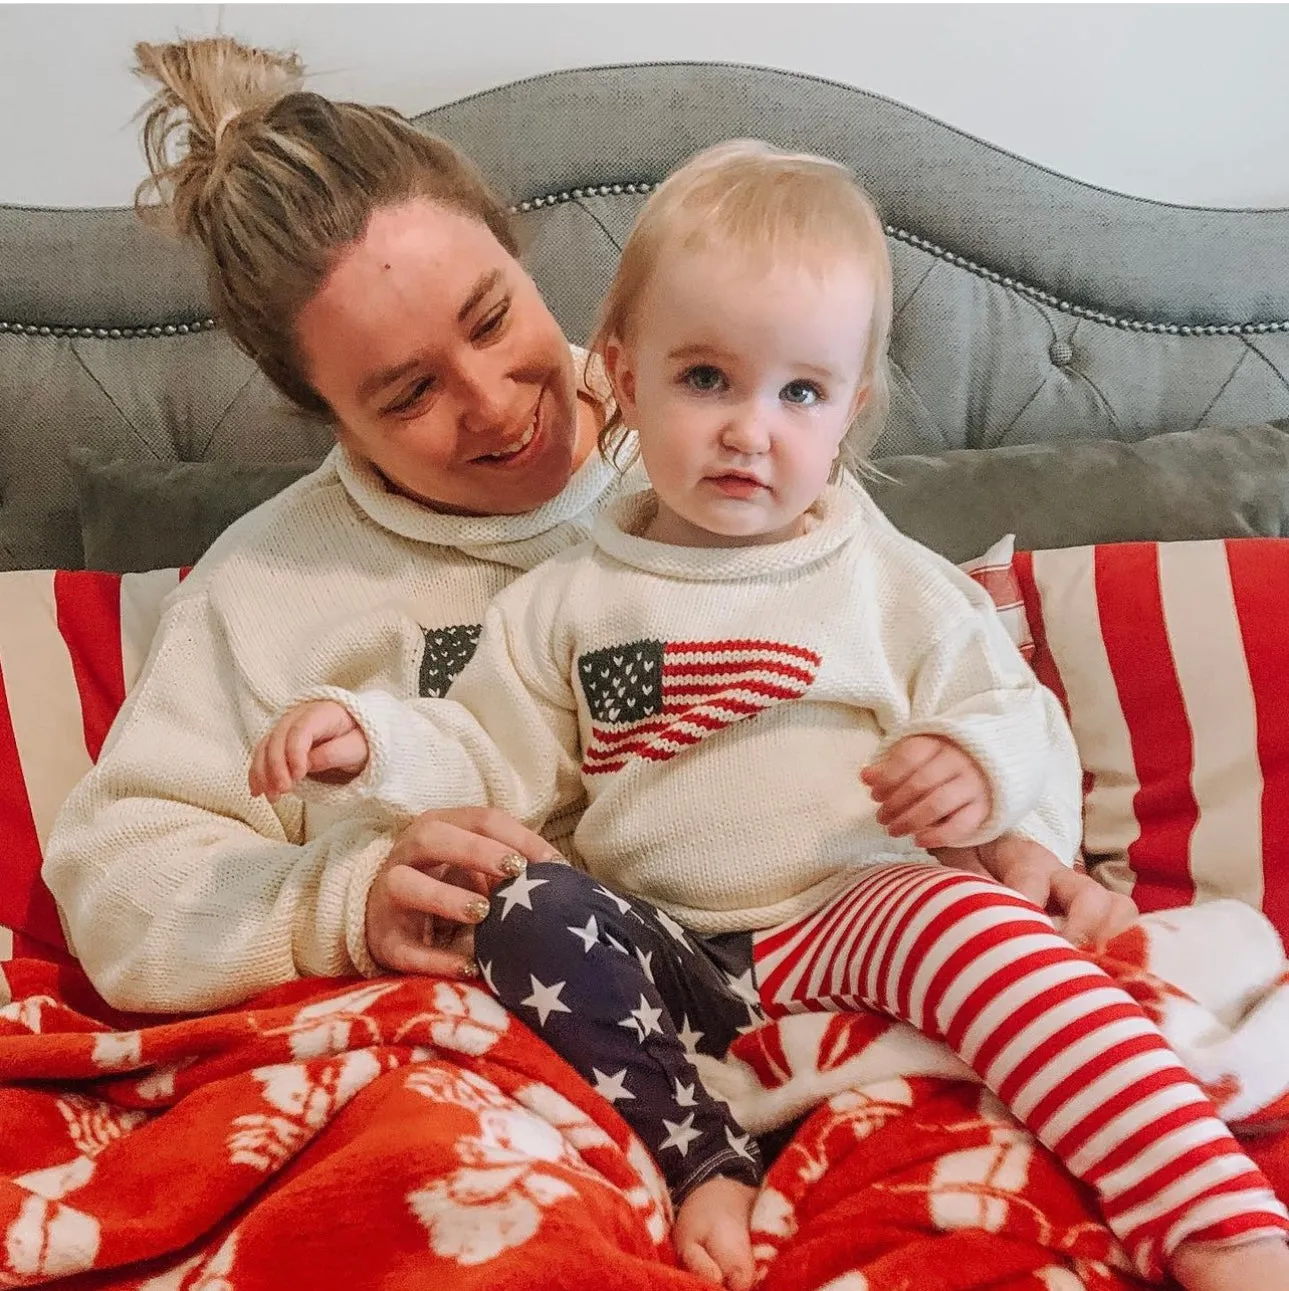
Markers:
point(1188, 485)
point(71, 646)
point(142, 515)
point(1171, 661)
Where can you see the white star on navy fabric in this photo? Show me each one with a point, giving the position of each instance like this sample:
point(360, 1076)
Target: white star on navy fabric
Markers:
point(685, 1095)
point(677, 932)
point(616, 944)
point(688, 1036)
point(545, 999)
point(643, 1020)
point(623, 906)
point(589, 935)
point(744, 987)
point(646, 957)
point(519, 892)
point(611, 1087)
point(738, 1142)
point(680, 1134)
point(485, 971)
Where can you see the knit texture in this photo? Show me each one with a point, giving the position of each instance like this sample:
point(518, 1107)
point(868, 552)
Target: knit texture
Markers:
point(179, 890)
point(715, 706)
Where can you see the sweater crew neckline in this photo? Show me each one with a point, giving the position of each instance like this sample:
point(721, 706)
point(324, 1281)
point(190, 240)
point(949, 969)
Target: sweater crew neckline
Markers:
point(616, 531)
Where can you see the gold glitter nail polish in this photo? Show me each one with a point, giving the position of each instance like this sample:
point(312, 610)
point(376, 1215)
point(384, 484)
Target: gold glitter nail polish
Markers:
point(469, 968)
point(477, 910)
point(513, 866)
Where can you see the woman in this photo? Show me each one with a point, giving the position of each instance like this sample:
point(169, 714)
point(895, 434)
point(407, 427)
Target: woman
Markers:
point(371, 275)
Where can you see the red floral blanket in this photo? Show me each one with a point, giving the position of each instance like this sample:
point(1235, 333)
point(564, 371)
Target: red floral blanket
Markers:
point(408, 1133)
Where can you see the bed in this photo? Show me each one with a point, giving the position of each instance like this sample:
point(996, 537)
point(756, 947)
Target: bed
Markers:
point(1088, 412)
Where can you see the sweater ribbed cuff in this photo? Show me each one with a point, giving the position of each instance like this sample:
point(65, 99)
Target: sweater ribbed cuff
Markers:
point(374, 714)
point(1013, 780)
point(367, 865)
point(1060, 842)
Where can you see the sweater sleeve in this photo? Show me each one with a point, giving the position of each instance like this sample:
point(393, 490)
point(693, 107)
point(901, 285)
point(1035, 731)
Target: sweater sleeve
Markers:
point(506, 733)
point(180, 891)
point(973, 687)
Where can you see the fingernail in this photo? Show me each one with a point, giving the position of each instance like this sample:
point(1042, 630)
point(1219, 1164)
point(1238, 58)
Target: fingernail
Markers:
point(554, 859)
point(512, 866)
point(469, 968)
point(477, 911)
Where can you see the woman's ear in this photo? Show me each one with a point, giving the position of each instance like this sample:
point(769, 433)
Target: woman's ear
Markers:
point(620, 370)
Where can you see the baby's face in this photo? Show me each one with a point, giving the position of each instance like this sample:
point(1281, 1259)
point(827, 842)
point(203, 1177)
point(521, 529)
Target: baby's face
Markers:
point(741, 384)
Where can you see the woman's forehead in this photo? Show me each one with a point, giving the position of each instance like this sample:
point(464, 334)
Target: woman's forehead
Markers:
point(422, 240)
point(417, 269)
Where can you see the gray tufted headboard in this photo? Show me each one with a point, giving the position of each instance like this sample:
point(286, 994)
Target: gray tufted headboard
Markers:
point(1028, 306)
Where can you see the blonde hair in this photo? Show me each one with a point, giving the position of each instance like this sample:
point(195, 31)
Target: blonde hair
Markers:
point(275, 183)
point(758, 200)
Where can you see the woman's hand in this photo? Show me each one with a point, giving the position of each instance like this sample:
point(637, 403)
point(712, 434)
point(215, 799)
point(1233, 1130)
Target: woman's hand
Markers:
point(434, 887)
point(1085, 913)
point(319, 739)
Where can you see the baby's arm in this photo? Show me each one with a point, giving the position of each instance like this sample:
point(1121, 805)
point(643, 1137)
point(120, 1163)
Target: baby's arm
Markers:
point(506, 735)
point(972, 690)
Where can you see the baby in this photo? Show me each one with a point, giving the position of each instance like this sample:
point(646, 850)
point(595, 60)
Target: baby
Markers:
point(776, 708)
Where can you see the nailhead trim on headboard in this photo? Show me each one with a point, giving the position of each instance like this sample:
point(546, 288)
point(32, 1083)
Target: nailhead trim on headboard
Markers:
point(646, 186)
point(110, 333)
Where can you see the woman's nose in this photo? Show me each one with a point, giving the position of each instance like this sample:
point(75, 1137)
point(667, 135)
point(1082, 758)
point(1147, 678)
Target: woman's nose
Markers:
point(487, 399)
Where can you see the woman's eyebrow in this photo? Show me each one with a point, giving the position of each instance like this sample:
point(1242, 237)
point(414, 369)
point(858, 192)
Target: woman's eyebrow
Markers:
point(377, 382)
point(481, 289)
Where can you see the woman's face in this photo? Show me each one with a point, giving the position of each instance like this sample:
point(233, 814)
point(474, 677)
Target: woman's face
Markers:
point(442, 364)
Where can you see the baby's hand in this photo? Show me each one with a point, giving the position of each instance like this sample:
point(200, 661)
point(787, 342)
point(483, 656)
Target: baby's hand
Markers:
point(927, 786)
point(318, 739)
point(712, 1233)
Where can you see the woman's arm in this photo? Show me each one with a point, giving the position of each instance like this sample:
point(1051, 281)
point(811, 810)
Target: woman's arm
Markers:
point(180, 891)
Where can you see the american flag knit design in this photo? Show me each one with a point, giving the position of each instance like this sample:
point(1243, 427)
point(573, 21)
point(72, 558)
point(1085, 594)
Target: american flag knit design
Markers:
point(447, 651)
point(654, 699)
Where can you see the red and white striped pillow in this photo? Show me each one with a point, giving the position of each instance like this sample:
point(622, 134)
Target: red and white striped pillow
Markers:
point(1172, 660)
point(71, 644)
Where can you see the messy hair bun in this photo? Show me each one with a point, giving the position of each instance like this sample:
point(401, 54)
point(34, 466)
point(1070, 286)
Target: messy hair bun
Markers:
point(204, 88)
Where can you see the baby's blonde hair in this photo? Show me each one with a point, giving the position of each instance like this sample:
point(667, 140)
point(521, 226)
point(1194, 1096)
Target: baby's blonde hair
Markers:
point(749, 197)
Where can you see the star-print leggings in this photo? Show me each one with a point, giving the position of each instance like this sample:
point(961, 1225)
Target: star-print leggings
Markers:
point(625, 995)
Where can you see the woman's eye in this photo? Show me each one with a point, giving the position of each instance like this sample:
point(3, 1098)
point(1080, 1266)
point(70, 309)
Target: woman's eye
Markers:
point(492, 324)
point(412, 397)
point(703, 378)
point(803, 393)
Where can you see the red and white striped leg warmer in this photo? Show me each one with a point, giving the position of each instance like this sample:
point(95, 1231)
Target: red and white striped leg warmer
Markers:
point(1072, 1055)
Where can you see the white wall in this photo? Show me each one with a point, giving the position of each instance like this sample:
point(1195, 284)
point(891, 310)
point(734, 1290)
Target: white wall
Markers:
point(1184, 103)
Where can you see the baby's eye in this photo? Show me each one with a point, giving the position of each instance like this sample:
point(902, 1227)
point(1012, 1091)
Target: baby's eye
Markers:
point(703, 378)
point(802, 393)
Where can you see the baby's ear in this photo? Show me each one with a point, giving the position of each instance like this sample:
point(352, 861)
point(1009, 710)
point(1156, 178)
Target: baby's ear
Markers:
point(860, 399)
point(620, 370)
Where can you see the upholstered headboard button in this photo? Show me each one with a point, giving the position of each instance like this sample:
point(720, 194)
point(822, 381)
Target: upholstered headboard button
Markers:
point(1061, 353)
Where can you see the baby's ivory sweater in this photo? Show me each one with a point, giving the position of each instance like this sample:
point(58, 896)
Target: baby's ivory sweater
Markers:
point(179, 890)
point(715, 706)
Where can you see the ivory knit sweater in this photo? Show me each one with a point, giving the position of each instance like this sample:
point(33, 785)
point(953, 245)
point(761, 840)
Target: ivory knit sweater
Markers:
point(178, 889)
point(714, 706)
